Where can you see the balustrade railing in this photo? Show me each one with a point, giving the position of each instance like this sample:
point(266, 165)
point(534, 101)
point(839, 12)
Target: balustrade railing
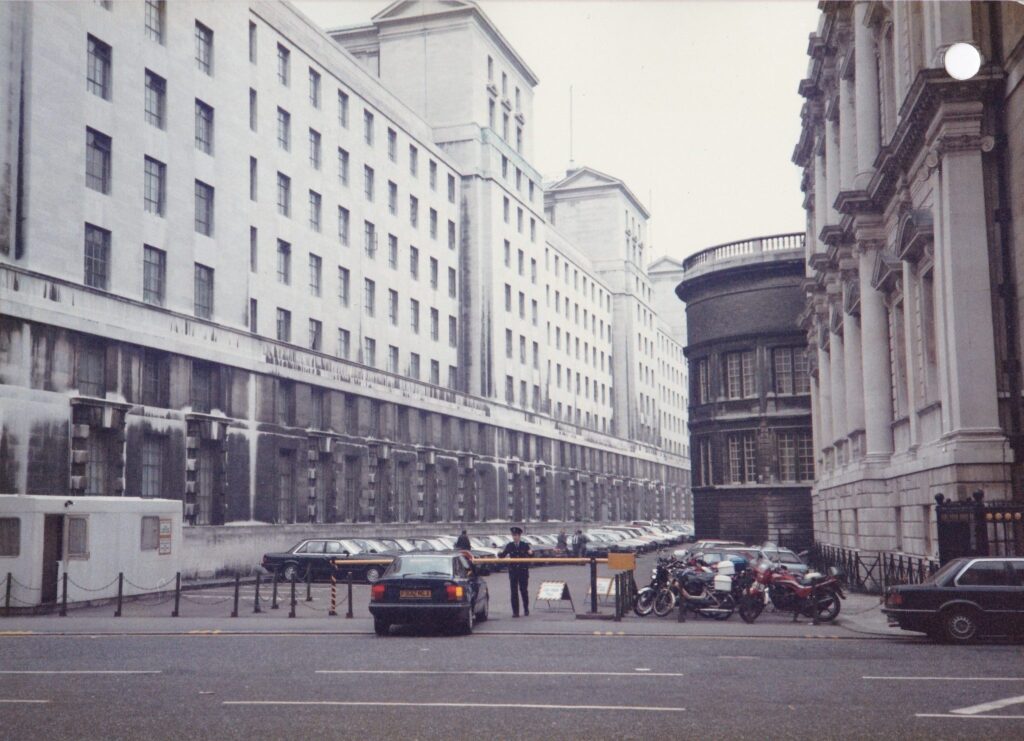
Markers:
point(745, 247)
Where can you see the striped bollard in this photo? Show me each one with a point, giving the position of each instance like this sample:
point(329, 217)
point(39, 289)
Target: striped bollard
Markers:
point(333, 612)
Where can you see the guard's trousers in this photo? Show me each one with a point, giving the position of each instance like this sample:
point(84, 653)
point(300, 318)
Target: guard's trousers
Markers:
point(519, 584)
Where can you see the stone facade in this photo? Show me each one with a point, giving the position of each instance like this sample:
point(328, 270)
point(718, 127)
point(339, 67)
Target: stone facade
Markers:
point(291, 302)
point(913, 186)
point(750, 406)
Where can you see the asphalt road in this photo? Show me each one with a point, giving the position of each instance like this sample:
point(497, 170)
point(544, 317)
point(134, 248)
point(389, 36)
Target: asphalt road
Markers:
point(501, 686)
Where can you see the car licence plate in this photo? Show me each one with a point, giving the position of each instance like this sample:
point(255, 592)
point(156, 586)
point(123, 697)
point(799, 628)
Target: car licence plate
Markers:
point(415, 594)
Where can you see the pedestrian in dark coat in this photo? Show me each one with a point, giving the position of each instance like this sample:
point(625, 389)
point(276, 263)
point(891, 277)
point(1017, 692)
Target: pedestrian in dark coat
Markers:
point(462, 543)
point(518, 573)
point(563, 543)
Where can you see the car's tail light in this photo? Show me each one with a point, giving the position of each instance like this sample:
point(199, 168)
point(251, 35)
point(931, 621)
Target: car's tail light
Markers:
point(455, 592)
point(376, 592)
point(893, 599)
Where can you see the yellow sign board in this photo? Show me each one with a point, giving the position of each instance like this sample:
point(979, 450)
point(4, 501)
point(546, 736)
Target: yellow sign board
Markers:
point(622, 561)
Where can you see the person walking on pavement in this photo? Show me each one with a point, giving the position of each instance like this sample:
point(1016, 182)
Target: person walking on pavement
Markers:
point(563, 544)
point(518, 573)
point(462, 543)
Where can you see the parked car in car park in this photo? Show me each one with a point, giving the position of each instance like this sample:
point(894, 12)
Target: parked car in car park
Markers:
point(965, 599)
point(318, 556)
point(429, 588)
point(787, 558)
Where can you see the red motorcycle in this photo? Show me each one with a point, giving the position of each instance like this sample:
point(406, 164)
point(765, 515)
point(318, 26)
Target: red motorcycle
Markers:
point(817, 596)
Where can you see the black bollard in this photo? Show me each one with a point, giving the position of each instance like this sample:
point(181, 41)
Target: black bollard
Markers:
point(177, 594)
point(238, 584)
point(593, 585)
point(7, 596)
point(291, 614)
point(309, 583)
point(64, 595)
point(349, 613)
point(273, 597)
point(256, 599)
point(120, 593)
point(617, 580)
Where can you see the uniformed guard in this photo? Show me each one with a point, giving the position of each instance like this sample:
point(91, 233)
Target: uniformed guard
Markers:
point(518, 573)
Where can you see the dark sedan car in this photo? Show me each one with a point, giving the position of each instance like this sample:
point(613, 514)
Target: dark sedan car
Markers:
point(317, 556)
point(966, 598)
point(429, 588)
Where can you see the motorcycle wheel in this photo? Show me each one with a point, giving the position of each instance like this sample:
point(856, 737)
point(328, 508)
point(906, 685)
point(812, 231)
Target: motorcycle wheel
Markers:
point(826, 605)
point(725, 602)
point(644, 604)
point(664, 602)
point(751, 608)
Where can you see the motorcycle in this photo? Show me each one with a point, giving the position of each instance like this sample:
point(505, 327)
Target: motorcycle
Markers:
point(643, 605)
point(817, 596)
point(702, 591)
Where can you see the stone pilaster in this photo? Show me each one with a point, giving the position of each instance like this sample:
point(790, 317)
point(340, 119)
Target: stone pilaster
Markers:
point(874, 358)
point(866, 89)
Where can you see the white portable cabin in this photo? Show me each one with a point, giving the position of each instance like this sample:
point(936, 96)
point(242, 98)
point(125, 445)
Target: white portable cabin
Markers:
point(91, 539)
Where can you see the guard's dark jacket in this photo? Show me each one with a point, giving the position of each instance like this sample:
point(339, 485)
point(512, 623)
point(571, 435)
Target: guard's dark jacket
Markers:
point(522, 550)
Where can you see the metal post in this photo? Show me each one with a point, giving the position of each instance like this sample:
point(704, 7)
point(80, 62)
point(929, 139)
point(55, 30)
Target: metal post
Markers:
point(309, 583)
point(334, 594)
point(238, 584)
point(618, 598)
point(273, 598)
point(120, 593)
point(593, 585)
point(177, 594)
point(349, 614)
point(256, 599)
point(291, 614)
point(64, 595)
point(7, 596)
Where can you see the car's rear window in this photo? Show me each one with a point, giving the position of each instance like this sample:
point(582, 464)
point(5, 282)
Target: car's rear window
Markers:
point(408, 566)
point(955, 565)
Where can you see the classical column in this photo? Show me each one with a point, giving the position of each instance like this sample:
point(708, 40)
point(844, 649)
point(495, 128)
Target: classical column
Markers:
point(825, 398)
point(962, 247)
point(831, 170)
point(838, 376)
point(847, 135)
point(852, 367)
point(821, 208)
point(877, 379)
point(866, 81)
point(948, 23)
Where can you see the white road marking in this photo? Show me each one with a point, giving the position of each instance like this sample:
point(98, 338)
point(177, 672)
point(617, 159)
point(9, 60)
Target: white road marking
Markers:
point(986, 706)
point(951, 679)
point(510, 705)
point(85, 671)
point(24, 702)
point(647, 673)
point(641, 669)
point(969, 717)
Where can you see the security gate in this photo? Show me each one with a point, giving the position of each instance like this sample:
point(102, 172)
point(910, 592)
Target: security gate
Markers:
point(978, 528)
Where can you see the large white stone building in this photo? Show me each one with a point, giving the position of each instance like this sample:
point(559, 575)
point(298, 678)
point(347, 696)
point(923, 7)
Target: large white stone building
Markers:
point(287, 275)
point(914, 191)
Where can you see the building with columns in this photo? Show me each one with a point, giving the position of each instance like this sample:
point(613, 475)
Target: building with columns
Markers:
point(288, 275)
point(913, 186)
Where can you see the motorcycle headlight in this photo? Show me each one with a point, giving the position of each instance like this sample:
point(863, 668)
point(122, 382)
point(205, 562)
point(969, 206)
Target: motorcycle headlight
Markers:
point(654, 573)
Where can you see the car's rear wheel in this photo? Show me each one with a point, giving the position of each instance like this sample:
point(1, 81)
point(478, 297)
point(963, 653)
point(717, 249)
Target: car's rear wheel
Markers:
point(483, 614)
point(465, 626)
point(381, 627)
point(372, 574)
point(290, 571)
point(961, 625)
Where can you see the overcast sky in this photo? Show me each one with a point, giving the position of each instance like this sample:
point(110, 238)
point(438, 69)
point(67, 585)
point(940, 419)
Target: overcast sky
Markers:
point(692, 103)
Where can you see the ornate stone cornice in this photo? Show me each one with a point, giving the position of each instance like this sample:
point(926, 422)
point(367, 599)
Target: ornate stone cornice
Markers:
point(831, 234)
point(887, 273)
point(914, 233)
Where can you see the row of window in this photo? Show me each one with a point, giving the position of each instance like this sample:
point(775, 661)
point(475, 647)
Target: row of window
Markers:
point(739, 374)
point(794, 451)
